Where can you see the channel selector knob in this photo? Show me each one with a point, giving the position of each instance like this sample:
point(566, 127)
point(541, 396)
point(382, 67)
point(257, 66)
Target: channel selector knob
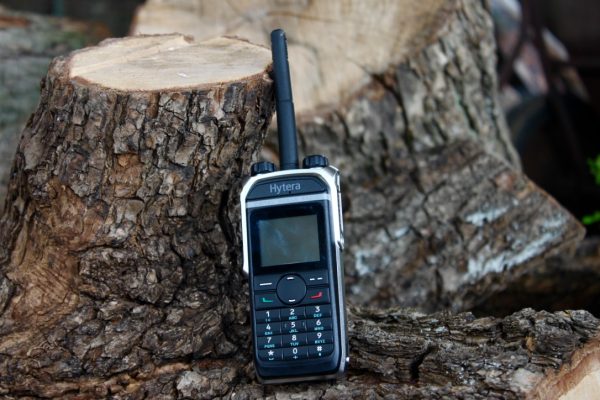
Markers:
point(315, 161)
point(262, 167)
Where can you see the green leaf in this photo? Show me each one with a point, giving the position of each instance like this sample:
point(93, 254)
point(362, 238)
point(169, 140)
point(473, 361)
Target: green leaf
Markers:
point(594, 165)
point(591, 219)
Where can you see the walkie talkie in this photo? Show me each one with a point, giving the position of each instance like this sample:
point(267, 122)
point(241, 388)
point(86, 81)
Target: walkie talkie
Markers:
point(292, 242)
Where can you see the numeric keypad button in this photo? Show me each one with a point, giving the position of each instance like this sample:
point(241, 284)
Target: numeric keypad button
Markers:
point(295, 353)
point(271, 355)
point(295, 340)
point(320, 350)
point(292, 314)
point(267, 316)
point(323, 311)
point(316, 338)
point(270, 329)
point(268, 342)
point(291, 327)
point(319, 324)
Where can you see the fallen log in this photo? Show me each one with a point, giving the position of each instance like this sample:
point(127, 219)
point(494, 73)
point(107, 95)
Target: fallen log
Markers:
point(454, 228)
point(120, 272)
point(28, 42)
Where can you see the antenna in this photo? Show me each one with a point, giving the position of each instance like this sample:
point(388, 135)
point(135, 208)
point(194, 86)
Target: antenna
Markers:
point(286, 120)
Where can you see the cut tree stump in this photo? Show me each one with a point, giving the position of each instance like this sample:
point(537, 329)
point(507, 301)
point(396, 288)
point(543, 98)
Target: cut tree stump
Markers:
point(390, 91)
point(368, 76)
point(120, 273)
point(28, 42)
point(119, 198)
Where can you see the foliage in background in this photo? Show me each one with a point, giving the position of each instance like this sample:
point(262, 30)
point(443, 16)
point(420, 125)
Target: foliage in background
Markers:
point(595, 170)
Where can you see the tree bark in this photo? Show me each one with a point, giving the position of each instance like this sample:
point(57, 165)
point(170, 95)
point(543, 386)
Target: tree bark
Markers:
point(120, 273)
point(449, 228)
point(28, 42)
point(118, 252)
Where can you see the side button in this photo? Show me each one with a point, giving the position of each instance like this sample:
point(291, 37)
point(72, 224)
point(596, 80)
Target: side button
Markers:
point(266, 300)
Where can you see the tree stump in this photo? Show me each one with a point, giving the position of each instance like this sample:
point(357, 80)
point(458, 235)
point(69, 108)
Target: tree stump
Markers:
point(117, 214)
point(120, 273)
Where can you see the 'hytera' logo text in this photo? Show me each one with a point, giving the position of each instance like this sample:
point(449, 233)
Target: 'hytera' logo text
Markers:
point(284, 187)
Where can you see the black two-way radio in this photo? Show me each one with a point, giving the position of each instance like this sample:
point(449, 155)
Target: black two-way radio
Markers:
point(292, 242)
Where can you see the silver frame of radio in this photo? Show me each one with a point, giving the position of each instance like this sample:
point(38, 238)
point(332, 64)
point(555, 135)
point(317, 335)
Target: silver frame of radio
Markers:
point(331, 177)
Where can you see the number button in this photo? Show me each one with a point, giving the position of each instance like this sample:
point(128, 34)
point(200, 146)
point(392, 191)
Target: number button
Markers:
point(315, 338)
point(294, 327)
point(292, 314)
point(320, 350)
point(318, 311)
point(295, 353)
point(268, 342)
point(270, 355)
point(270, 329)
point(319, 324)
point(294, 340)
point(267, 316)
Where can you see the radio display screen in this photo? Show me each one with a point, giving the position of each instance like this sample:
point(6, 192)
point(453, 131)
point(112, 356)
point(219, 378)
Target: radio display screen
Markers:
point(289, 240)
point(287, 235)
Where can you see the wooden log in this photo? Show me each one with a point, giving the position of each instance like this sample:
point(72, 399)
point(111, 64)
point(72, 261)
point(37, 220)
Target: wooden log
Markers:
point(368, 77)
point(120, 273)
point(28, 42)
point(119, 197)
point(453, 228)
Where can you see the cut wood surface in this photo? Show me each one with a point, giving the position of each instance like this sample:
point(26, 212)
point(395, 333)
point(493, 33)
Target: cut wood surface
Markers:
point(330, 42)
point(28, 42)
point(368, 76)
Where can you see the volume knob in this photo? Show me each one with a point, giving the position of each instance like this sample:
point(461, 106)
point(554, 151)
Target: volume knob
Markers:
point(262, 167)
point(315, 161)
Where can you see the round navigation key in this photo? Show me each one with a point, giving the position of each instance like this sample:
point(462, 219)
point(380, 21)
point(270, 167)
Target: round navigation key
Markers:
point(291, 289)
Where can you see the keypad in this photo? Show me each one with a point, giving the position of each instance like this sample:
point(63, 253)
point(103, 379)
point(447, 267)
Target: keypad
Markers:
point(293, 332)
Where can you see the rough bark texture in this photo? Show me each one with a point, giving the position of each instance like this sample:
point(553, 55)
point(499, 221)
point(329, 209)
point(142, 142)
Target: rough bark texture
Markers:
point(442, 93)
point(563, 282)
point(118, 253)
point(28, 42)
point(447, 229)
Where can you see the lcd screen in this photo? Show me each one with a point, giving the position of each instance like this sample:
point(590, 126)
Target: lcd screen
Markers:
point(289, 240)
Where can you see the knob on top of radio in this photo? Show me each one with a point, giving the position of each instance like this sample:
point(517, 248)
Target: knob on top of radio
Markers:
point(262, 167)
point(315, 161)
